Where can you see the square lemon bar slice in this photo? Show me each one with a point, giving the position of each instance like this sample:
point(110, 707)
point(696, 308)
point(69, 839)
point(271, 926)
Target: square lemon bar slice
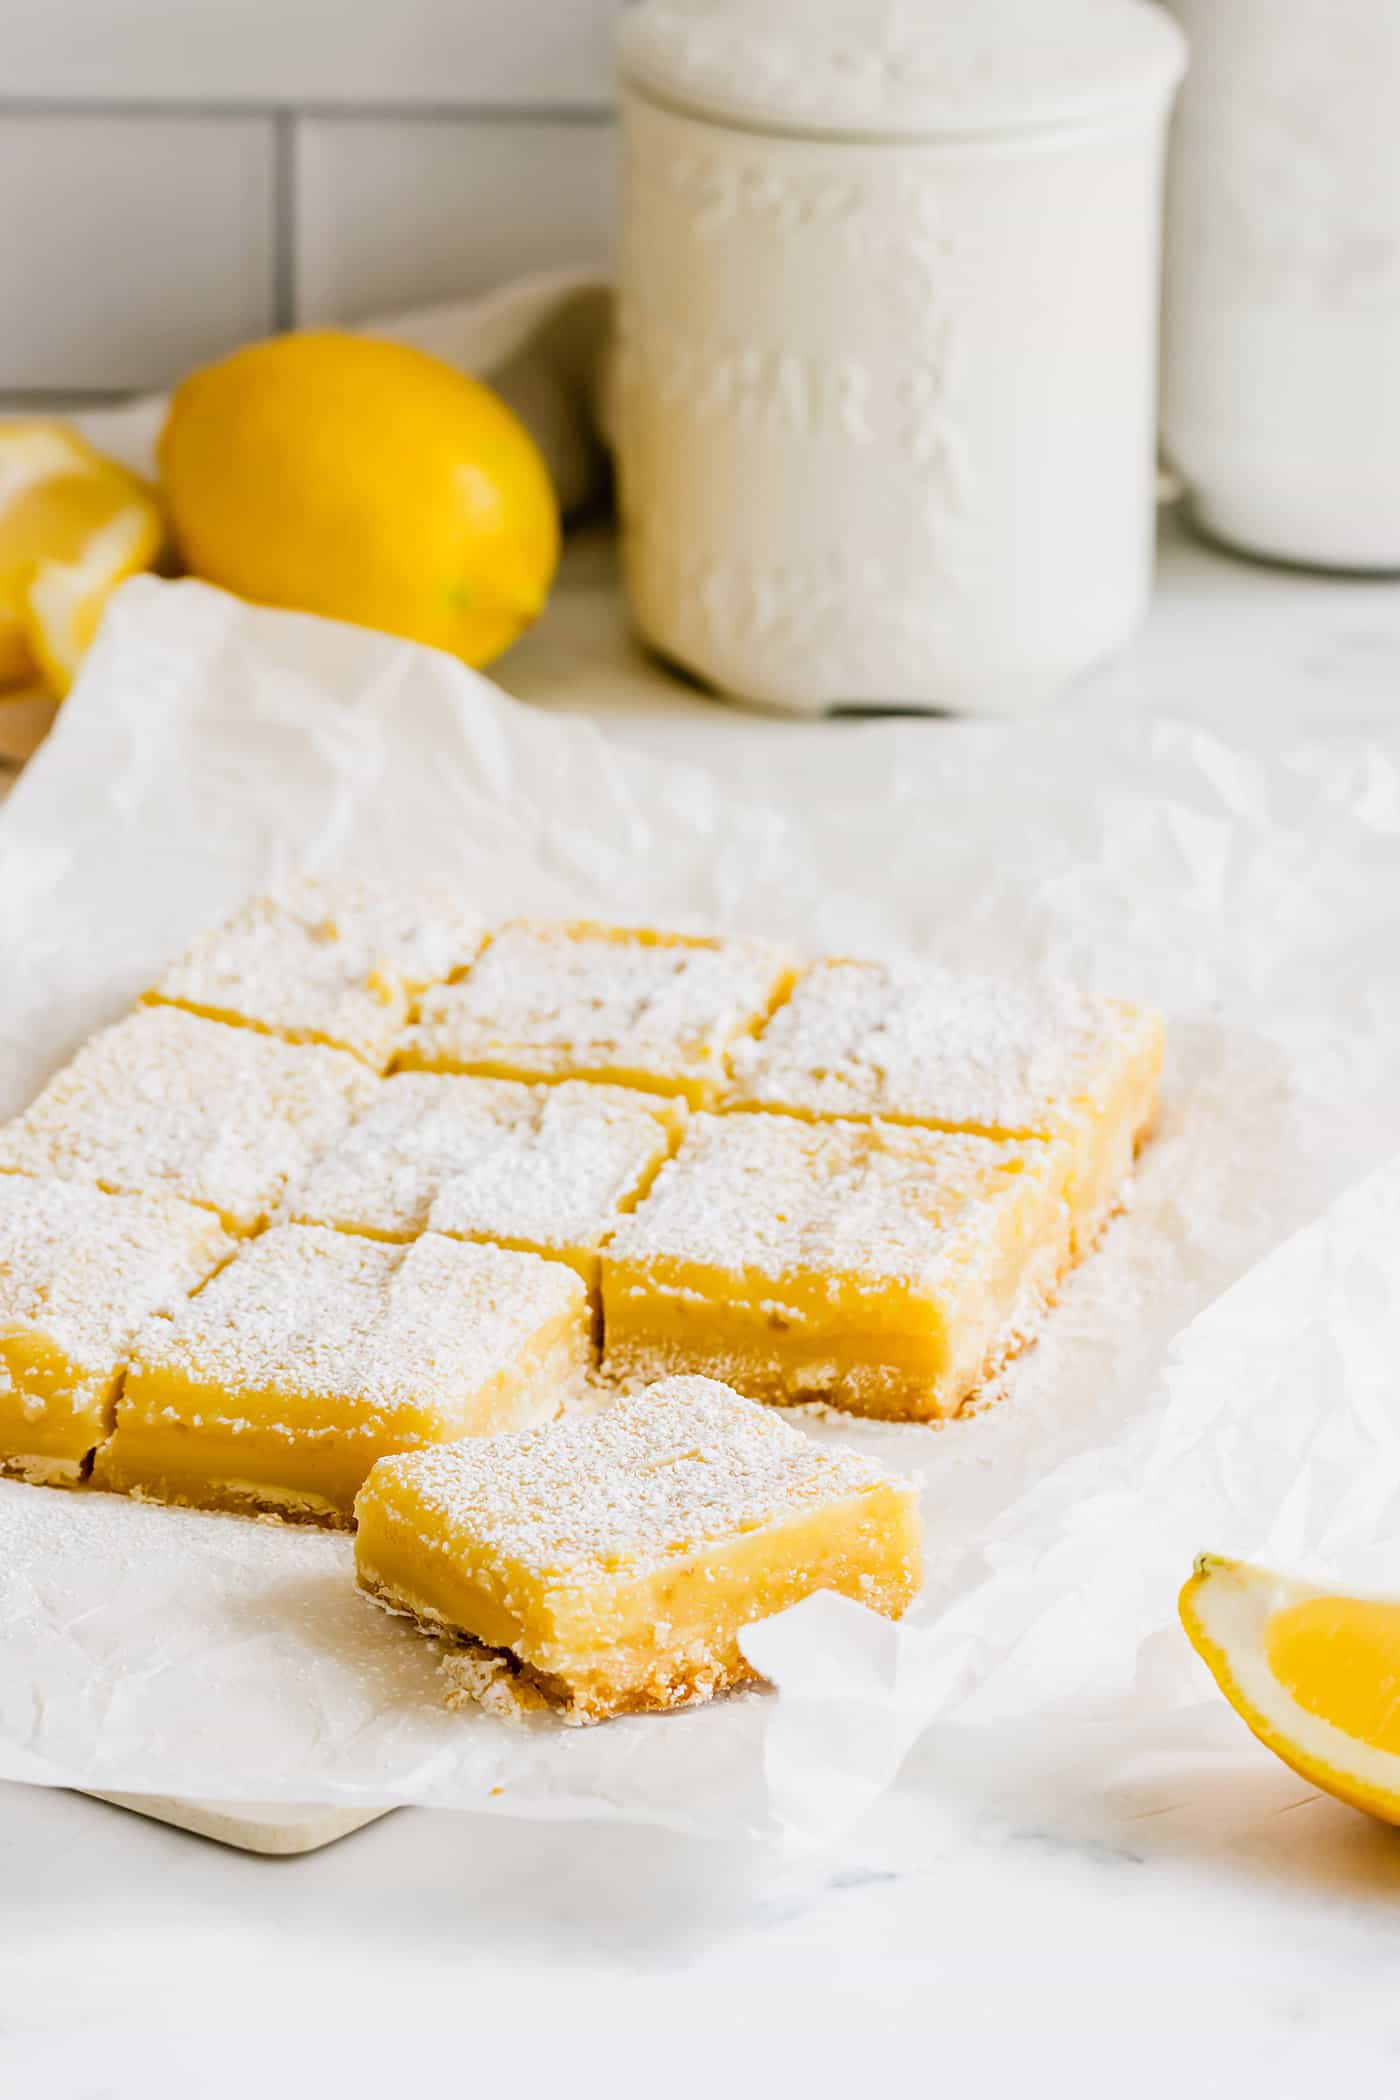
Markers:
point(318, 962)
point(607, 1564)
point(315, 1353)
point(884, 1270)
point(923, 1044)
point(80, 1272)
point(164, 1103)
point(634, 1008)
point(547, 1168)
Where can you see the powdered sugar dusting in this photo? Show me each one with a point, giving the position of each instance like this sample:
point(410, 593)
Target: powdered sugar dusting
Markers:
point(426, 934)
point(334, 963)
point(321, 1314)
point(592, 1001)
point(83, 1269)
point(681, 1465)
point(553, 1165)
point(166, 1103)
point(932, 1045)
point(779, 1196)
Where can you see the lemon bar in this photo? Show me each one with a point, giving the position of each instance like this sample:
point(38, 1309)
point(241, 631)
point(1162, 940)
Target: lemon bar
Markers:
point(922, 1044)
point(318, 962)
point(545, 1168)
point(607, 1564)
point(80, 1272)
point(884, 1270)
point(630, 1007)
point(165, 1103)
point(314, 1353)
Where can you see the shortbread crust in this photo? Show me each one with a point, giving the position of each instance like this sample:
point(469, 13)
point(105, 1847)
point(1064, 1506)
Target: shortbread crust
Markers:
point(884, 1270)
point(605, 1565)
point(80, 1273)
point(316, 1352)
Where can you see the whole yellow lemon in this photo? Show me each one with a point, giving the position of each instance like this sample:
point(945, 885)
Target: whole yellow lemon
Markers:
point(365, 480)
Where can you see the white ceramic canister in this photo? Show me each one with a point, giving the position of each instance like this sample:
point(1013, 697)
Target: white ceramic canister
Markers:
point(1281, 396)
point(884, 393)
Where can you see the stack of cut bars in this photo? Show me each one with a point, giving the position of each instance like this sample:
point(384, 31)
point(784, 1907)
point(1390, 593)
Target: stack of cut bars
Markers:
point(362, 1178)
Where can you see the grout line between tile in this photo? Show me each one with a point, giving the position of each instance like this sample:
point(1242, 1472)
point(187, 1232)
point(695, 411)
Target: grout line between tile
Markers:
point(350, 111)
point(284, 221)
point(27, 397)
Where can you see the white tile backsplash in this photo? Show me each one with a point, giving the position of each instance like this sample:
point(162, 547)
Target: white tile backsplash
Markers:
point(176, 179)
point(132, 247)
point(459, 52)
point(395, 214)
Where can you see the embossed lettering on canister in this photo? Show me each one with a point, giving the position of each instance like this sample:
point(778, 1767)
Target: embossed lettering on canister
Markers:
point(884, 380)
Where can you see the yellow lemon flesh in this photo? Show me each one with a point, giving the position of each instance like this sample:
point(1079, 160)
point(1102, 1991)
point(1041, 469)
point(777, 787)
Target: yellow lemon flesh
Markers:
point(367, 481)
point(1316, 1675)
point(73, 525)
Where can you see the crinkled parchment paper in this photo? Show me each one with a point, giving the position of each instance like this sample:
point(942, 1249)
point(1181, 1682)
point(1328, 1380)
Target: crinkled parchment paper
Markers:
point(1252, 895)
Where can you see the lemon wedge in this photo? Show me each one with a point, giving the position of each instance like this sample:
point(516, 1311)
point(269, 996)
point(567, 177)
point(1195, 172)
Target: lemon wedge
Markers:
point(1315, 1674)
point(73, 525)
point(66, 599)
point(31, 456)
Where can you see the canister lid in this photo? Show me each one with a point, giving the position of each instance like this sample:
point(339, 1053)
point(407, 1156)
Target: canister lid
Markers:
point(902, 68)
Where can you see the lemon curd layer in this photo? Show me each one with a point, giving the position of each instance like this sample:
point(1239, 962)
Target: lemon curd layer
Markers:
point(80, 1272)
point(925, 1045)
point(165, 1103)
point(550, 1169)
point(321, 962)
point(315, 1353)
point(626, 1006)
point(607, 1564)
point(884, 1270)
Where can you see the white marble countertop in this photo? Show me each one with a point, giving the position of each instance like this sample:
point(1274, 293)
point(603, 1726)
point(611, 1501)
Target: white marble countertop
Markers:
point(1240, 1942)
point(1236, 1936)
point(1245, 649)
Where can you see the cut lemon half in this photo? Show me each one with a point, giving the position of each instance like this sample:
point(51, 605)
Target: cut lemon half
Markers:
point(73, 525)
point(31, 455)
point(66, 599)
point(1315, 1674)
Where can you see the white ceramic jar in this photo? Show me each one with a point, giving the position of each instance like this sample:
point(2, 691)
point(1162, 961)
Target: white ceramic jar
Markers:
point(884, 394)
point(1281, 397)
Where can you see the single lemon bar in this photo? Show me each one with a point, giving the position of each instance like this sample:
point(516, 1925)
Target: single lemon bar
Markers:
point(549, 1169)
point(630, 1007)
point(884, 1270)
point(317, 962)
point(315, 1353)
point(80, 1272)
point(607, 1564)
point(164, 1103)
point(922, 1044)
